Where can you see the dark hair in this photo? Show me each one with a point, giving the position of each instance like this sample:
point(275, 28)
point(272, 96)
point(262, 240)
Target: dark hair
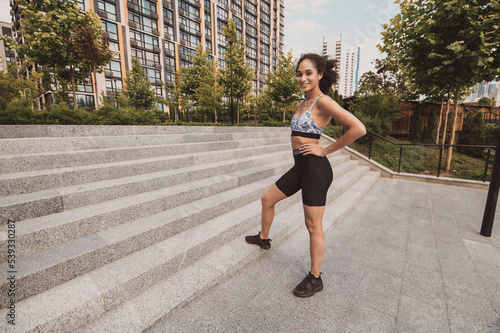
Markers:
point(324, 66)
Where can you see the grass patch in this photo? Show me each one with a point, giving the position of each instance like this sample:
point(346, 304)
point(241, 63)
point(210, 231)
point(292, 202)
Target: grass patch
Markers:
point(419, 159)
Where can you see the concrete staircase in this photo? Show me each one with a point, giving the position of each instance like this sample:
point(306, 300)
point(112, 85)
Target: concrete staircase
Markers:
point(118, 226)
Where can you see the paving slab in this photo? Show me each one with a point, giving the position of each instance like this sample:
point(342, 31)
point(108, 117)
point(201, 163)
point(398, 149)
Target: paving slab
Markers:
point(408, 258)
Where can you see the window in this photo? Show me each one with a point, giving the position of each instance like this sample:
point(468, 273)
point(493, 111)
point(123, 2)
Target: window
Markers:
point(84, 101)
point(238, 23)
point(146, 58)
point(144, 6)
point(264, 17)
point(85, 86)
point(220, 26)
point(170, 64)
point(169, 46)
point(154, 75)
point(221, 40)
point(252, 19)
point(208, 18)
point(168, 16)
point(189, 25)
point(264, 58)
point(221, 50)
point(252, 53)
point(222, 63)
point(190, 40)
point(252, 63)
point(114, 69)
point(251, 8)
point(185, 63)
point(223, 3)
point(108, 8)
point(112, 86)
point(264, 48)
point(265, 27)
point(189, 10)
point(144, 40)
point(81, 4)
point(111, 29)
point(144, 23)
point(236, 8)
point(169, 32)
point(264, 38)
point(208, 32)
point(170, 77)
point(186, 53)
point(252, 42)
point(251, 31)
point(264, 68)
point(222, 13)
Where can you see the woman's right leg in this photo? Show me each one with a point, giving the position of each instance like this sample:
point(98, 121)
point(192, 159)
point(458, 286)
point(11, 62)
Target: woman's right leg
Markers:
point(269, 200)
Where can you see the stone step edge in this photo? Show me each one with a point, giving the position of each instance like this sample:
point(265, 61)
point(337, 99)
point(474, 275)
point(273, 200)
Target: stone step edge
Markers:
point(41, 160)
point(88, 304)
point(65, 144)
point(164, 299)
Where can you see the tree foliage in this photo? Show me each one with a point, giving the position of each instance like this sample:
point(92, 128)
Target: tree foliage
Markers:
point(139, 90)
point(441, 44)
point(282, 85)
point(235, 62)
point(415, 134)
point(473, 133)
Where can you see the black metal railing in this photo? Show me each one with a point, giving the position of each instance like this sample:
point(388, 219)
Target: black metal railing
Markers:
point(372, 134)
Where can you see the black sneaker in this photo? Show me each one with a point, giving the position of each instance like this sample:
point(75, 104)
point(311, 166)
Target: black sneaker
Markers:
point(308, 286)
point(256, 240)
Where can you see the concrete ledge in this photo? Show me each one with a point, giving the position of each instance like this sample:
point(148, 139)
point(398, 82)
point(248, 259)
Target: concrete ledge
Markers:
point(388, 173)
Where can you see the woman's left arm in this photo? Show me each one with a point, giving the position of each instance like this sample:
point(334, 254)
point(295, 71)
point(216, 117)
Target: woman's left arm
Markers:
point(355, 128)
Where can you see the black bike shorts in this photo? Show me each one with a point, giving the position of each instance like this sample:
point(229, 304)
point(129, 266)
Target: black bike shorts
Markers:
point(312, 174)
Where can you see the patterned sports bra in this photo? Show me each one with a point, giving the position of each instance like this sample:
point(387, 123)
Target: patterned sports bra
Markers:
point(305, 126)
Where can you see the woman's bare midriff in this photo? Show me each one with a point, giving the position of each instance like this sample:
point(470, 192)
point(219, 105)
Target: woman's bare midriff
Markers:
point(297, 141)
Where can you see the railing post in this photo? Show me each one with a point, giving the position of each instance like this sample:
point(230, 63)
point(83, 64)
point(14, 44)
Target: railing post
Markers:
point(486, 166)
point(370, 140)
point(440, 158)
point(400, 155)
point(491, 201)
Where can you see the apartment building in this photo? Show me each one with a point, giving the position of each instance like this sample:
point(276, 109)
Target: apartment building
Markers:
point(6, 54)
point(347, 58)
point(164, 34)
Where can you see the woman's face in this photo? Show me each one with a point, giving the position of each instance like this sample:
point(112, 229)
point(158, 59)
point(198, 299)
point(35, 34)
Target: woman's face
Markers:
point(308, 76)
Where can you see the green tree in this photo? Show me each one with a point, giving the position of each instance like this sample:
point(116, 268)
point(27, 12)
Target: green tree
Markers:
point(484, 101)
point(473, 133)
point(282, 87)
point(139, 91)
point(91, 46)
point(415, 134)
point(242, 74)
point(445, 43)
point(429, 133)
point(376, 111)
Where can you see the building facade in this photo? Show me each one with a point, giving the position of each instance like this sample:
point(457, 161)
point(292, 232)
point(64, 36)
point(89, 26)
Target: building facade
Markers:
point(164, 34)
point(7, 56)
point(486, 89)
point(347, 64)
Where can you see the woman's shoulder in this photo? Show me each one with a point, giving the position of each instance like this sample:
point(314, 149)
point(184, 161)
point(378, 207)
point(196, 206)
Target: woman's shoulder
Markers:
point(326, 101)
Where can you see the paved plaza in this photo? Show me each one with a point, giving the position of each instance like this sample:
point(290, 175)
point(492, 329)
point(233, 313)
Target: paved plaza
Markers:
point(409, 258)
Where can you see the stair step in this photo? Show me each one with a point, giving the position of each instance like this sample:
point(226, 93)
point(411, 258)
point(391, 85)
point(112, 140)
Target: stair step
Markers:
point(63, 159)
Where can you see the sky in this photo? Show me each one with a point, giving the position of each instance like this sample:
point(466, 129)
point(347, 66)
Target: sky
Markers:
point(308, 21)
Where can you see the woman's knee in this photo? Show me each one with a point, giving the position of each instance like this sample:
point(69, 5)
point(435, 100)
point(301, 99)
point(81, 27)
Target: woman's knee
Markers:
point(314, 227)
point(266, 200)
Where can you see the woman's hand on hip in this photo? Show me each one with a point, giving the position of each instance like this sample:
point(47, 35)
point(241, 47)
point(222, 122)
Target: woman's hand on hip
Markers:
point(311, 149)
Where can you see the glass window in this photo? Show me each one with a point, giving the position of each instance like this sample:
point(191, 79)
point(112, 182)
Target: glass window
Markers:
point(108, 8)
point(170, 77)
point(146, 58)
point(189, 25)
point(221, 40)
point(220, 26)
point(208, 46)
point(144, 40)
point(145, 23)
point(85, 86)
point(223, 3)
point(169, 46)
point(190, 40)
point(112, 86)
point(114, 69)
point(252, 19)
point(84, 101)
point(111, 29)
point(169, 32)
point(252, 53)
point(222, 13)
point(189, 10)
point(208, 18)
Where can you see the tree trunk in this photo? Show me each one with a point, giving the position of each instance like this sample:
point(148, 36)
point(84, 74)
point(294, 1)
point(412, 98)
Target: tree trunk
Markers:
point(73, 89)
point(454, 126)
point(440, 119)
point(446, 117)
point(284, 113)
point(95, 85)
point(237, 112)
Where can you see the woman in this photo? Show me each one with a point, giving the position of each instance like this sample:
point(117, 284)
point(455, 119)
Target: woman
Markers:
point(312, 172)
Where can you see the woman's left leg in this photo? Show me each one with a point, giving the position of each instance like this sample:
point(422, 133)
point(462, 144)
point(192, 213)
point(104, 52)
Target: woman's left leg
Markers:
point(314, 223)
